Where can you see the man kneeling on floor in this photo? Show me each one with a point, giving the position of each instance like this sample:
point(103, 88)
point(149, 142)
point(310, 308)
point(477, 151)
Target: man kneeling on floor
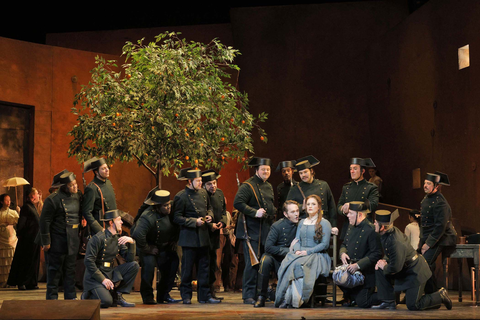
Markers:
point(101, 280)
point(402, 269)
point(277, 246)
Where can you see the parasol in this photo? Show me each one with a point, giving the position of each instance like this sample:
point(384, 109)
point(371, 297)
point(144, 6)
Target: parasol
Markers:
point(15, 182)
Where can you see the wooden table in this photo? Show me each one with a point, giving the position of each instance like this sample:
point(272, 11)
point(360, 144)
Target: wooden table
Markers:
point(471, 251)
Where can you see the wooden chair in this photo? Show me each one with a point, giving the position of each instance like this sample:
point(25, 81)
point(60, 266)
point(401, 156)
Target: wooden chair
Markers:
point(320, 289)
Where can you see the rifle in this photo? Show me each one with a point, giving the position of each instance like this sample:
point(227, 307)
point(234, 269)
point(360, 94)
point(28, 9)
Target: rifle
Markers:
point(253, 257)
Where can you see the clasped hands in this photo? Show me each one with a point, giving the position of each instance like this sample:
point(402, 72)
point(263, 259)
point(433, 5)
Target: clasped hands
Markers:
point(352, 268)
point(202, 220)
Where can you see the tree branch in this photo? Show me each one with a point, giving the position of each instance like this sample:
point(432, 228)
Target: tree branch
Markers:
point(146, 166)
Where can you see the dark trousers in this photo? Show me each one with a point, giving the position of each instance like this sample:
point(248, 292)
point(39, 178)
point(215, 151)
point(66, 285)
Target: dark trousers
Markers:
point(431, 256)
point(212, 277)
point(226, 264)
point(249, 272)
point(167, 263)
point(60, 267)
point(364, 297)
point(199, 257)
point(268, 264)
point(128, 271)
point(415, 297)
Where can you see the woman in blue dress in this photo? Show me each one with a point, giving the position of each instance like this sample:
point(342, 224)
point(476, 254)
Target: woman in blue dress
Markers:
point(308, 258)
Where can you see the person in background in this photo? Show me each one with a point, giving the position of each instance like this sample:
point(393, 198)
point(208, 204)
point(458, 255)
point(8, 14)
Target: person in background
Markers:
point(374, 178)
point(26, 260)
point(412, 230)
point(8, 237)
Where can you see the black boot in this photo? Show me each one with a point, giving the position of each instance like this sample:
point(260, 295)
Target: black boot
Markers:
point(445, 299)
point(260, 302)
point(122, 302)
point(386, 305)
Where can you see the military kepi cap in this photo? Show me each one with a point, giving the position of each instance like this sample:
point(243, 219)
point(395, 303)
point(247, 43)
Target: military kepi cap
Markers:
point(443, 178)
point(438, 177)
point(57, 177)
point(158, 197)
point(111, 214)
point(93, 164)
point(65, 178)
point(385, 216)
point(189, 173)
point(286, 164)
point(360, 206)
point(363, 162)
point(255, 162)
point(209, 175)
point(306, 163)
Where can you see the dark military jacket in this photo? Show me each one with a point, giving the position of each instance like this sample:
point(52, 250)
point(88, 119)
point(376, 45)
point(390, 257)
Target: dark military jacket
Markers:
point(219, 209)
point(188, 206)
point(282, 193)
point(154, 229)
point(102, 248)
point(362, 245)
point(405, 265)
point(60, 221)
point(246, 202)
point(436, 225)
point(321, 189)
point(280, 237)
point(359, 191)
point(92, 203)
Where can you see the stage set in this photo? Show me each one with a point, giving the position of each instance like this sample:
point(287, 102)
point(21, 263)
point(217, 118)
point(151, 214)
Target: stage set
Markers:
point(388, 80)
point(232, 308)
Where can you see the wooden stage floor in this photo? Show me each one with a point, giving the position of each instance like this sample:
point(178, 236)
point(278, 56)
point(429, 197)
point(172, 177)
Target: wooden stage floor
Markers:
point(232, 308)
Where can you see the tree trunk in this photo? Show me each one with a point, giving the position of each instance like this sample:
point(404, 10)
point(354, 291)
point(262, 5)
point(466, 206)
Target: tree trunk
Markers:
point(159, 176)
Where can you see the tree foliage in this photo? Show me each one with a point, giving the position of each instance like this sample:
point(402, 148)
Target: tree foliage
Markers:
point(171, 103)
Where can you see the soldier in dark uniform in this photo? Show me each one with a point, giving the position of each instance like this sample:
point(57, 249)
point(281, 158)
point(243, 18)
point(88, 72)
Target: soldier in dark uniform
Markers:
point(156, 237)
point(278, 242)
point(219, 208)
point(437, 233)
point(287, 168)
point(59, 225)
point(361, 250)
point(402, 269)
point(93, 208)
point(192, 212)
point(254, 200)
point(359, 189)
point(309, 185)
point(103, 281)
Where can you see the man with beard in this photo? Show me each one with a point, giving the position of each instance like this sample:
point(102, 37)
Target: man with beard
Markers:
point(99, 195)
point(192, 212)
point(156, 236)
point(358, 189)
point(59, 225)
point(219, 208)
point(102, 281)
point(360, 251)
point(286, 168)
point(309, 185)
point(437, 233)
point(402, 269)
point(277, 246)
point(254, 200)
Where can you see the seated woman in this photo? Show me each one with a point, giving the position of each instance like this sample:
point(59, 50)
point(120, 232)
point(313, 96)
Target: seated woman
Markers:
point(308, 258)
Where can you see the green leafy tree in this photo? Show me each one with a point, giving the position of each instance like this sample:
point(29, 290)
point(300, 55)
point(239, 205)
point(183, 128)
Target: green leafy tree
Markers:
point(170, 103)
